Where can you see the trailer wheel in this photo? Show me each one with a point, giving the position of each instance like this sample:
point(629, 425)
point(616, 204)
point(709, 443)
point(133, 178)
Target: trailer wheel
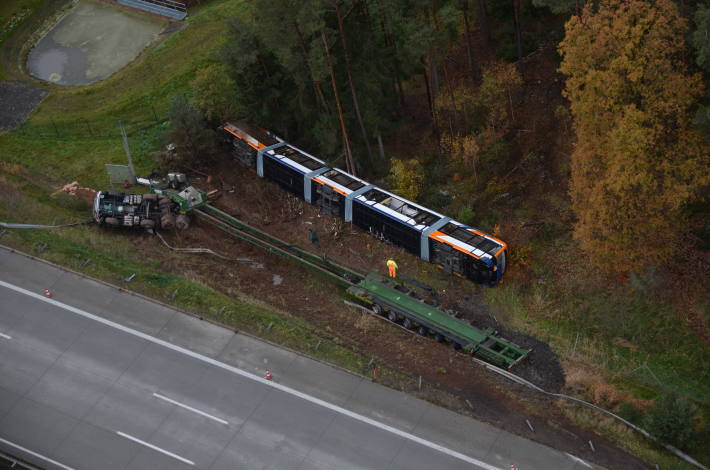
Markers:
point(167, 221)
point(377, 309)
point(182, 222)
point(150, 197)
point(147, 223)
point(407, 323)
point(423, 330)
point(111, 221)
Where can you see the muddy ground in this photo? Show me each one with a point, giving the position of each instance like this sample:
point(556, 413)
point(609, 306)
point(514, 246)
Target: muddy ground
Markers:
point(285, 285)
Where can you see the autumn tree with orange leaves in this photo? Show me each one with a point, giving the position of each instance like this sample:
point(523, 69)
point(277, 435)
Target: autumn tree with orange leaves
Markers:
point(637, 161)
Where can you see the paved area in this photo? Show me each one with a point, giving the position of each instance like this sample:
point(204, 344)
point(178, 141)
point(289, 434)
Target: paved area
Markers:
point(17, 101)
point(90, 43)
point(100, 378)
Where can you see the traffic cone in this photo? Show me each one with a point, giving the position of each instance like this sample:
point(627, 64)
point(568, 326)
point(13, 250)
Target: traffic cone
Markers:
point(267, 375)
point(47, 293)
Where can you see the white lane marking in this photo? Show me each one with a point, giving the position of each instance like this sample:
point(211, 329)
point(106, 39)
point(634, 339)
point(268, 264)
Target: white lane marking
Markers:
point(35, 454)
point(255, 378)
point(156, 448)
point(2, 335)
point(577, 459)
point(194, 410)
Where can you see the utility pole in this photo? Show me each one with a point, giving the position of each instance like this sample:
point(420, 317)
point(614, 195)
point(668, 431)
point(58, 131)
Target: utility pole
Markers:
point(128, 152)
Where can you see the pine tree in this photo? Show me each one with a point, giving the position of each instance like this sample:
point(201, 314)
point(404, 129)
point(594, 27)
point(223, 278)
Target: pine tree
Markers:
point(637, 162)
point(195, 141)
point(558, 6)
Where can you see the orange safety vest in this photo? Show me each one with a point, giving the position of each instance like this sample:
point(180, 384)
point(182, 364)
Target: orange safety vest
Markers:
point(392, 265)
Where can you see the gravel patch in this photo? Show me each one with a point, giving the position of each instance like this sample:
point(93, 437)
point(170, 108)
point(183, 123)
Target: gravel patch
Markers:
point(17, 101)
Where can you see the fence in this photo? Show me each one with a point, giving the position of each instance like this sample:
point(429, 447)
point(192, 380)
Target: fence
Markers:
point(169, 8)
point(92, 129)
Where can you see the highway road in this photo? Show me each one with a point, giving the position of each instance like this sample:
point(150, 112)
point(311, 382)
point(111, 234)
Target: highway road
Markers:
point(98, 378)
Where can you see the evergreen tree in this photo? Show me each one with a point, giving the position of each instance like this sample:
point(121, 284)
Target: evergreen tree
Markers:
point(195, 142)
point(558, 6)
point(263, 88)
point(700, 39)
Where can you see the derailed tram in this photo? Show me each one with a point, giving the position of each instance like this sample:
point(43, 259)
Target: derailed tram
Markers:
point(457, 248)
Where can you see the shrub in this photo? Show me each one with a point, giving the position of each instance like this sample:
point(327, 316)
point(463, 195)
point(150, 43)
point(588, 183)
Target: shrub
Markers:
point(467, 216)
point(630, 413)
point(195, 142)
point(408, 178)
point(673, 420)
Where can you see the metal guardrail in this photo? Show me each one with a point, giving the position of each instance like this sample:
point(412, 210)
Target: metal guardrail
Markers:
point(12, 462)
point(233, 226)
point(168, 4)
point(169, 8)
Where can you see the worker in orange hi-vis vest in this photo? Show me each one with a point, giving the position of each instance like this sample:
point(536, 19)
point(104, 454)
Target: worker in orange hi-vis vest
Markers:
point(392, 267)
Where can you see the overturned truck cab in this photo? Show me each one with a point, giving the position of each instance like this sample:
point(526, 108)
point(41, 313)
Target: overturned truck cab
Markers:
point(148, 211)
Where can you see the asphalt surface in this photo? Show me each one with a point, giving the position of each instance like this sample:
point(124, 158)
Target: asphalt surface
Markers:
point(90, 43)
point(98, 378)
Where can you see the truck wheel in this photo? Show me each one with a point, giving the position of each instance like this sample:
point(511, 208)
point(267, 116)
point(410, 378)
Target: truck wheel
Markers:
point(167, 221)
point(182, 222)
point(423, 330)
point(111, 221)
point(392, 316)
point(377, 309)
point(147, 223)
point(407, 323)
point(150, 197)
point(439, 338)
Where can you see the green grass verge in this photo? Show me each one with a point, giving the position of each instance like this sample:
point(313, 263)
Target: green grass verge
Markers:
point(675, 356)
